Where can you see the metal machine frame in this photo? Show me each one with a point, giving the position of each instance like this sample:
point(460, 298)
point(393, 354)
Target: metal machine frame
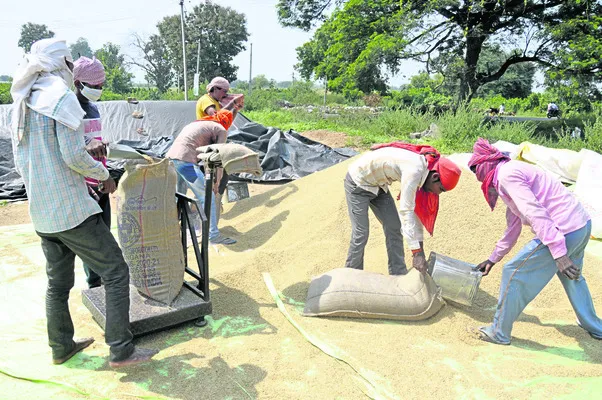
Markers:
point(202, 253)
point(194, 301)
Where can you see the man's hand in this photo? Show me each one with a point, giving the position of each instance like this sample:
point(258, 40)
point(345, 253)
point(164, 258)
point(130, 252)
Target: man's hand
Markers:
point(234, 102)
point(108, 186)
point(419, 262)
point(567, 267)
point(239, 102)
point(97, 149)
point(485, 267)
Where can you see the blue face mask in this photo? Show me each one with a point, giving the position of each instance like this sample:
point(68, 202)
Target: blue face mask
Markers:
point(91, 94)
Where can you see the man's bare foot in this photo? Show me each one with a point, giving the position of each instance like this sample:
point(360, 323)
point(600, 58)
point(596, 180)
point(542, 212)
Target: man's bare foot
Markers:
point(138, 356)
point(80, 344)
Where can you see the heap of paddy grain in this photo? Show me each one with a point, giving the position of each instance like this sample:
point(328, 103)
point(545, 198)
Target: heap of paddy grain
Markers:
point(301, 229)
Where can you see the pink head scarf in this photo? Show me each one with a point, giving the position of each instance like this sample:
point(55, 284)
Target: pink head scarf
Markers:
point(89, 71)
point(219, 82)
point(484, 162)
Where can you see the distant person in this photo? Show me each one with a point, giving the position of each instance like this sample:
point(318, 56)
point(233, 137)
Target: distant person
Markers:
point(493, 112)
point(553, 110)
point(89, 77)
point(502, 110)
point(576, 133)
point(209, 103)
point(183, 153)
point(562, 230)
point(50, 155)
point(423, 175)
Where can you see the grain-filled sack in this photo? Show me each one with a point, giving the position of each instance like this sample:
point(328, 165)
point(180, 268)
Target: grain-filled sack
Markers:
point(348, 292)
point(148, 229)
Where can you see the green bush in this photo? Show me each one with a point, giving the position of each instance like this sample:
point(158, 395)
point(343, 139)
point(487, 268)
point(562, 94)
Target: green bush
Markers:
point(5, 97)
point(593, 134)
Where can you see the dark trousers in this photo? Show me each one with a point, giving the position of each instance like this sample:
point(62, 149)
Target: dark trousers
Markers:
point(94, 244)
point(104, 202)
point(383, 206)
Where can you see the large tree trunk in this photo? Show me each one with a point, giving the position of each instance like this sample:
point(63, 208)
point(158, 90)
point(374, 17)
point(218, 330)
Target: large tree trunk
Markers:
point(470, 83)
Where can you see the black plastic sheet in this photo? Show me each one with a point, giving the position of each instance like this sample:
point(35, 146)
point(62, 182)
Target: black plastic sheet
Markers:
point(11, 184)
point(284, 156)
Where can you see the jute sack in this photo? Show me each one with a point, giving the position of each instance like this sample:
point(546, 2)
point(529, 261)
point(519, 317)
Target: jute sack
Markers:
point(148, 228)
point(348, 292)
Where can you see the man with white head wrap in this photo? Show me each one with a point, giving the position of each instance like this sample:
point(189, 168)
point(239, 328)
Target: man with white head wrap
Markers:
point(50, 155)
point(209, 103)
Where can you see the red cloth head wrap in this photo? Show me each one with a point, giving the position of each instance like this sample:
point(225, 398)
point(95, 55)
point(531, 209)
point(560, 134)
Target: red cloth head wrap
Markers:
point(449, 173)
point(484, 161)
point(223, 117)
point(427, 204)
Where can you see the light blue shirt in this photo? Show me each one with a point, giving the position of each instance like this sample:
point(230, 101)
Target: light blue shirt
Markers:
point(53, 162)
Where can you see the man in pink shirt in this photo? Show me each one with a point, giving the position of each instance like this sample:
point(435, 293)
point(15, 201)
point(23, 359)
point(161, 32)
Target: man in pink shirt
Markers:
point(562, 229)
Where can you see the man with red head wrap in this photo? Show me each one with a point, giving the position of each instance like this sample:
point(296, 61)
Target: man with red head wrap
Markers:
point(208, 130)
point(562, 228)
point(423, 175)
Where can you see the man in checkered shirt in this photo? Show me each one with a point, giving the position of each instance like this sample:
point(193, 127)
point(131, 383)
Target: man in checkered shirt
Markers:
point(50, 155)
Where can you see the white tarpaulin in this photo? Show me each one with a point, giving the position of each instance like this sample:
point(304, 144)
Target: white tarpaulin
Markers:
point(563, 163)
point(589, 188)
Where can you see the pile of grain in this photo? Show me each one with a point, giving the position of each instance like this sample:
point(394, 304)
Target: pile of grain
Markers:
point(302, 229)
point(249, 350)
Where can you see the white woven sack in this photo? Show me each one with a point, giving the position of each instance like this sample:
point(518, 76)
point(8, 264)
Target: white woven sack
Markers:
point(148, 228)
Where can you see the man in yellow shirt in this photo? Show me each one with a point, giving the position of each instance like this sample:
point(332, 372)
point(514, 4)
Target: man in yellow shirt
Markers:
point(208, 104)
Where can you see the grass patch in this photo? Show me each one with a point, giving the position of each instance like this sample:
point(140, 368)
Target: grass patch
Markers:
point(458, 130)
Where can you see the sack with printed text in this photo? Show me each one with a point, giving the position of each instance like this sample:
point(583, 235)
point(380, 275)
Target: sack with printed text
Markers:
point(148, 228)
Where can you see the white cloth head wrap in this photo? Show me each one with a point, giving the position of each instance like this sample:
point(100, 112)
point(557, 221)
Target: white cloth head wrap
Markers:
point(42, 82)
point(219, 82)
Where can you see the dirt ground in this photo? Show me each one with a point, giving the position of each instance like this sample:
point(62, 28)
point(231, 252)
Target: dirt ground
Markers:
point(249, 349)
point(332, 139)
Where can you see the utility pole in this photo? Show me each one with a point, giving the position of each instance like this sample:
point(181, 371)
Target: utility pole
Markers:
point(184, 50)
point(250, 70)
point(325, 88)
point(198, 56)
point(195, 89)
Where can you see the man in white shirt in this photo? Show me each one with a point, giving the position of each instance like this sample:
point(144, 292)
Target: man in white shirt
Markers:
point(423, 175)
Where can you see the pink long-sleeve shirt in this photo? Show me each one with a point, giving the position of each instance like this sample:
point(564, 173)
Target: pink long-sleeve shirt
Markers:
point(539, 200)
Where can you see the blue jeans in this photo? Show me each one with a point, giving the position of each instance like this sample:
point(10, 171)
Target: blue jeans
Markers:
point(529, 272)
point(195, 179)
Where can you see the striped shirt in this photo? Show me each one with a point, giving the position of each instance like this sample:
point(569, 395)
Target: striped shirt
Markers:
point(53, 162)
point(377, 169)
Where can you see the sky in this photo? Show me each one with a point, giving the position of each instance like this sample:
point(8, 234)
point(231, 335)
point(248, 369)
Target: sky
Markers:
point(116, 21)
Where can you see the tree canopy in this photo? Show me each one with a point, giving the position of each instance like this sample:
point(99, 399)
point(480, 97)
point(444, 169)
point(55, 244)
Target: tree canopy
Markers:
point(31, 33)
point(80, 48)
point(220, 32)
point(118, 79)
point(361, 40)
point(155, 61)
